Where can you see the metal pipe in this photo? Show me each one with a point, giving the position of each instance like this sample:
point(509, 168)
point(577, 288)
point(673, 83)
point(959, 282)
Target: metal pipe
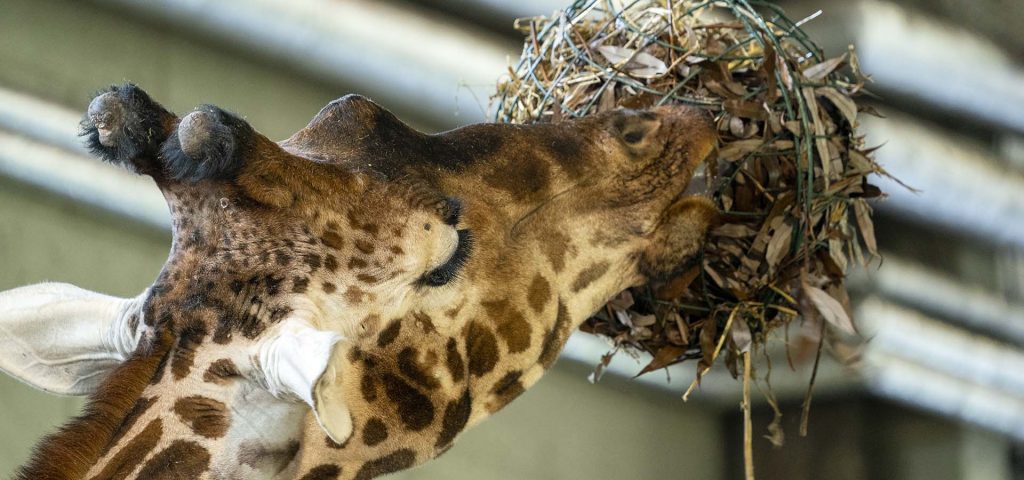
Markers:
point(915, 285)
point(961, 187)
point(418, 63)
point(924, 362)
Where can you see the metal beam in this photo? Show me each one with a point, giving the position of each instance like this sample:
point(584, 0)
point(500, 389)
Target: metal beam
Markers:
point(961, 186)
point(924, 362)
point(412, 60)
point(914, 59)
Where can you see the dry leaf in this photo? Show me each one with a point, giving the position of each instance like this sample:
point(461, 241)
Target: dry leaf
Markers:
point(677, 286)
point(734, 230)
point(843, 103)
point(665, 356)
point(778, 246)
point(739, 149)
point(745, 109)
point(867, 227)
point(643, 320)
point(818, 72)
point(622, 301)
point(830, 309)
point(820, 140)
point(741, 336)
point(637, 64)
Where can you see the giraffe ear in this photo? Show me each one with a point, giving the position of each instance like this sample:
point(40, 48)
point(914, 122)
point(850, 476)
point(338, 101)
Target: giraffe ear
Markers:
point(329, 405)
point(295, 361)
point(62, 339)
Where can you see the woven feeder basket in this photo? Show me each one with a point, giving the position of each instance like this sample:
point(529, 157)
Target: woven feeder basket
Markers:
point(790, 175)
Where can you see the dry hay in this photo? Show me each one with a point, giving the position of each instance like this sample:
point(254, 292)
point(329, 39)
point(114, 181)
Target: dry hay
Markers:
point(790, 175)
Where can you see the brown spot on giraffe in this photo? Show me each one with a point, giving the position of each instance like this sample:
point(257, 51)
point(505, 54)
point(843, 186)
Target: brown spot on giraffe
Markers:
point(453, 359)
point(365, 246)
point(456, 415)
point(141, 406)
point(182, 459)
point(327, 471)
point(331, 263)
point(221, 371)
point(414, 408)
point(333, 240)
point(410, 366)
point(389, 334)
point(205, 416)
point(368, 387)
point(131, 455)
point(556, 337)
point(366, 278)
point(539, 293)
point(506, 390)
point(588, 275)
point(391, 463)
point(556, 246)
point(512, 324)
point(374, 432)
point(481, 349)
point(184, 352)
point(258, 456)
point(356, 263)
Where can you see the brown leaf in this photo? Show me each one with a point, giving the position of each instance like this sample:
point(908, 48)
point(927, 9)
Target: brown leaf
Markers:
point(867, 227)
point(684, 329)
point(665, 356)
point(642, 320)
point(677, 286)
point(842, 102)
point(607, 102)
point(622, 301)
point(778, 246)
point(831, 310)
point(818, 72)
point(636, 64)
point(835, 251)
point(708, 341)
point(734, 230)
point(740, 333)
point(820, 139)
point(599, 369)
point(784, 73)
point(745, 109)
point(736, 150)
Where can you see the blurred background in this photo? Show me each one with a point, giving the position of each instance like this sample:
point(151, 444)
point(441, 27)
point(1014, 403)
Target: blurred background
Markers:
point(937, 393)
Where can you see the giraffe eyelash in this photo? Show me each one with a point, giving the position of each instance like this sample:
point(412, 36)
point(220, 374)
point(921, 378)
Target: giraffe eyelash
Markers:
point(447, 272)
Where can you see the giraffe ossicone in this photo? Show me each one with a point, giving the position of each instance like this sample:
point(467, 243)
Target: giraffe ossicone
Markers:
point(344, 303)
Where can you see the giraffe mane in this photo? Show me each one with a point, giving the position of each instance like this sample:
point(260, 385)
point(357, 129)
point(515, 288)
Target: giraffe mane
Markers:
point(71, 451)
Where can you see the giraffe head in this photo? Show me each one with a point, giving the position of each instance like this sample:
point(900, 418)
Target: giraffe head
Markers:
point(297, 267)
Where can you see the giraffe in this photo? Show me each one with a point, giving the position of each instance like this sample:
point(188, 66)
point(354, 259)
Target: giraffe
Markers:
point(344, 303)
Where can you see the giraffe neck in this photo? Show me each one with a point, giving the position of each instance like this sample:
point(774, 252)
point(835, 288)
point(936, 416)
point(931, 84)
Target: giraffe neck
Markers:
point(198, 416)
point(73, 450)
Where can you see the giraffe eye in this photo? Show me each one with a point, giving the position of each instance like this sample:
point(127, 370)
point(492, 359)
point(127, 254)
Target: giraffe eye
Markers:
point(633, 137)
point(449, 270)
